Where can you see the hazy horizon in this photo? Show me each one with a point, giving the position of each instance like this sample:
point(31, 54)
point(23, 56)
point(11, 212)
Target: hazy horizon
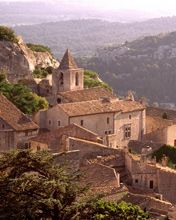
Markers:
point(155, 8)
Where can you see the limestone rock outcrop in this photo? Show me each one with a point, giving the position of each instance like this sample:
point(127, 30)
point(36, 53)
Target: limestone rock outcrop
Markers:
point(18, 61)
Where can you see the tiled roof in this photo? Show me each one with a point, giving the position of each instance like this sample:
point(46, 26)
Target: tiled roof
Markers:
point(87, 94)
point(99, 106)
point(67, 62)
point(72, 130)
point(14, 117)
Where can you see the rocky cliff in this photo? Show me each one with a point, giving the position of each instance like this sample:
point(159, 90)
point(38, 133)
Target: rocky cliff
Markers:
point(18, 61)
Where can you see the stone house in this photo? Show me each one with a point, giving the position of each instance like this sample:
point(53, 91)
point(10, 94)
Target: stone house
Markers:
point(15, 127)
point(116, 122)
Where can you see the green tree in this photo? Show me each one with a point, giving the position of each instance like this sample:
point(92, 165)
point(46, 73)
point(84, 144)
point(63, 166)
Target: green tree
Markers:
point(107, 210)
point(21, 96)
point(32, 186)
point(8, 34)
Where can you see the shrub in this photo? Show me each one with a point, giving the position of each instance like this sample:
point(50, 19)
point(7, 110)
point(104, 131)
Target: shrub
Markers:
point(91, 80)
point(39, 48)
point(167, 150)
point(8, 34)
point(21, 96)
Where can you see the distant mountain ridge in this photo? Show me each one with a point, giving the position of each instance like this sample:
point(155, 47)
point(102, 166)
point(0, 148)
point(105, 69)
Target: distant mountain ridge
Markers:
point(83, 37)
point(146, 66)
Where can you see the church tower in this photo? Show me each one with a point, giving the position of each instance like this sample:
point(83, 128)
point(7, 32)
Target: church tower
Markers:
point(68, 76)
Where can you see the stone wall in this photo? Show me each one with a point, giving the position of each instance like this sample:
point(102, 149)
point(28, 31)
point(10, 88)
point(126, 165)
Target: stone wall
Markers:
point(91, 150)
point(144, 171)
point(136, 146)
point(71, 159)
point(165, 135)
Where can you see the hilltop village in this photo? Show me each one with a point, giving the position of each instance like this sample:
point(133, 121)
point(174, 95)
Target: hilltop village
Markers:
point(92, 129)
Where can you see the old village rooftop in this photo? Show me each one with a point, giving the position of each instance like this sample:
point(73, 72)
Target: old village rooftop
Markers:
point(100, 106)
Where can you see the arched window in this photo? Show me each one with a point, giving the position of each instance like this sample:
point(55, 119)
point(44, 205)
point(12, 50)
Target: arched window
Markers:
point(77, 79)
point(61, 79)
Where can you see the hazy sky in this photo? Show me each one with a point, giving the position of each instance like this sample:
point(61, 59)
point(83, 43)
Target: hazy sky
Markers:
point(165, 7)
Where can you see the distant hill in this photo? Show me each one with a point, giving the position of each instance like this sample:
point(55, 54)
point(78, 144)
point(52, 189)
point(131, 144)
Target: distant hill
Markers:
point(146, 66)
point(83, 37)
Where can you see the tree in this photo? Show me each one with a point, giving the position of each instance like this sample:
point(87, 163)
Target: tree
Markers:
point(107, 210)
point(21, 96)
point(32, 186)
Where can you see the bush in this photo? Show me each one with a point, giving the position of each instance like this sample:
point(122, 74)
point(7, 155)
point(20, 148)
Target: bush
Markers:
point(24, 99)
point(8, 34)
point(40, 73)
point(167, 150)
point(39, 48)
point(91, 80)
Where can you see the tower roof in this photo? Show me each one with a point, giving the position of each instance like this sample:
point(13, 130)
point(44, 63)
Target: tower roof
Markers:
point(68, 62)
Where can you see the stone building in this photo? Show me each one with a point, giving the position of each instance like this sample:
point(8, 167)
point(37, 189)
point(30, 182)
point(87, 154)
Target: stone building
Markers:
point(68, 76)
point(96, 109)
point(58, 140)
point(116, 122)
point(15, 127)
point(161, 126)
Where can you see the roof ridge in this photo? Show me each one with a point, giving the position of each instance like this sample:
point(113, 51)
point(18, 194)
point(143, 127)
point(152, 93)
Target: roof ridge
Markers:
point(67, 61)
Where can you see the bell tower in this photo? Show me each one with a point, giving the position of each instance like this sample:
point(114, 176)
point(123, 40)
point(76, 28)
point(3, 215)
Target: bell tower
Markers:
point(68, 76)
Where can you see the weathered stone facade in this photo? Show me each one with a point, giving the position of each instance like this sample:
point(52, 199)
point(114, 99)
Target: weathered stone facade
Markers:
point(15, 127)
point(68, 76)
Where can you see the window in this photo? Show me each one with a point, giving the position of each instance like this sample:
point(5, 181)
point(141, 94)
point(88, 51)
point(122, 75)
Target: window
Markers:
point(61, 79)
point(109, 132)
point(151, 184)
point(3, 126)
point(59, 123)
point(127, 131)
point(106, 132)
point(59, 100)
point(108, 120)
point(82, 123)
point(136, 180)
point(38, 148)
point(49, 122)
point(77, 79)
point(129, 116)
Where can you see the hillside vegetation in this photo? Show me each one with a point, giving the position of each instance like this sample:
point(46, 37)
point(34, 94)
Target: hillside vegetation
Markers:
point(7, 34)
point(38, 48)
point(146, 66)
point(169, 152)
point(91, 79)
point(91, 34)
point(21, 96)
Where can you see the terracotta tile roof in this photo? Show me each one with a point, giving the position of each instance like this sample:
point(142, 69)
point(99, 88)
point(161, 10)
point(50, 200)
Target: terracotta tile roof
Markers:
point(67, 62)
point(99, 106)
point(14, 117)
point(87, 94)
point(100, 178)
